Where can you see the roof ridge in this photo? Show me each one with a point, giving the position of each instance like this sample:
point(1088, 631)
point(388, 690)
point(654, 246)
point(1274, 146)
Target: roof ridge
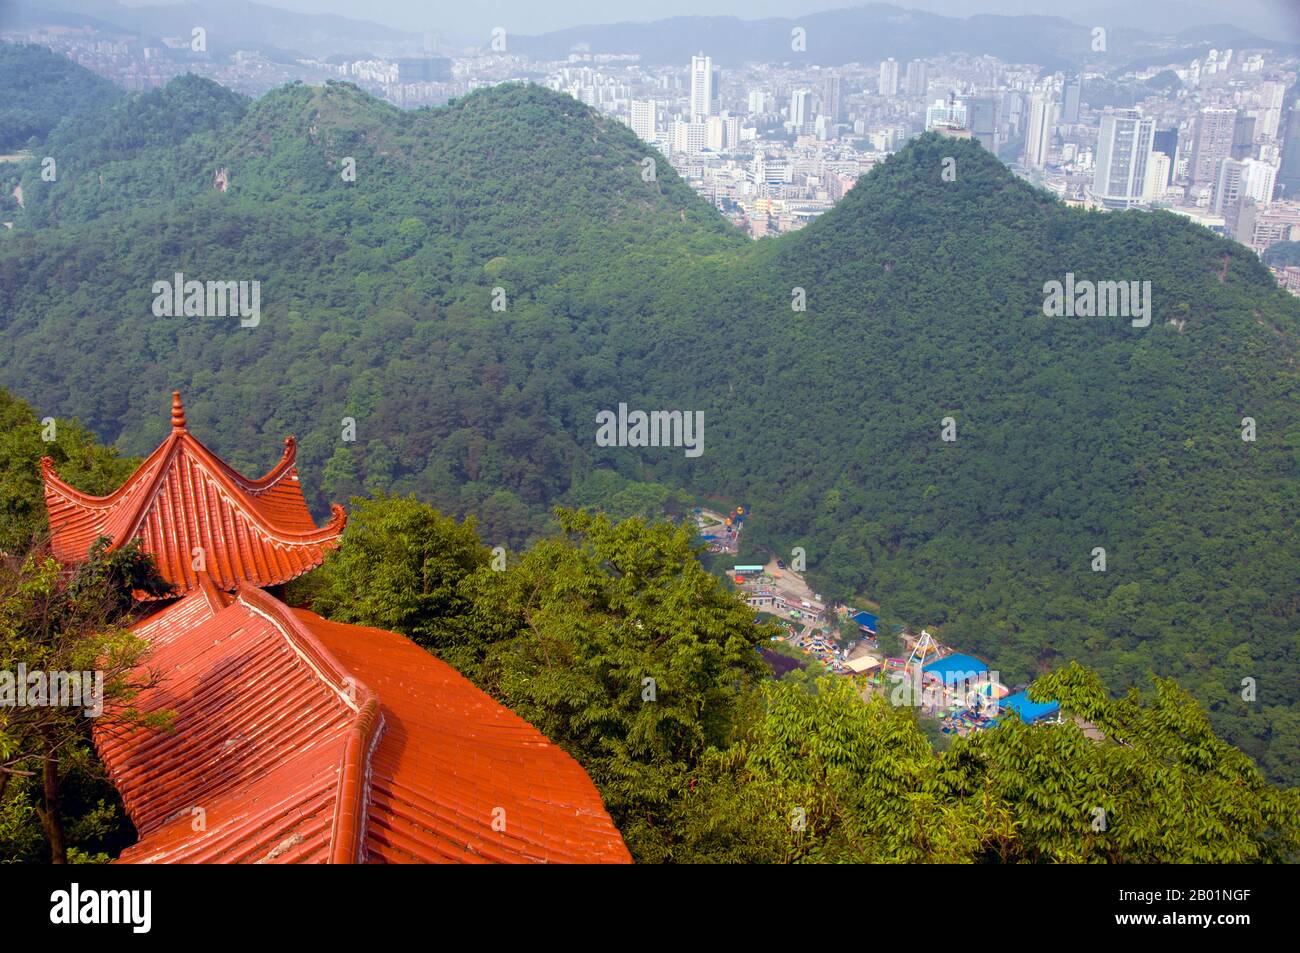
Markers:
point(229, 480)
point(348, 830)
point(54, 482)
point(272, 477)
point(163, 459)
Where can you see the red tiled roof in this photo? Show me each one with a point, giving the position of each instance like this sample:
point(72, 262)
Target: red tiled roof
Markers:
point(304, 740)
point(183, 498)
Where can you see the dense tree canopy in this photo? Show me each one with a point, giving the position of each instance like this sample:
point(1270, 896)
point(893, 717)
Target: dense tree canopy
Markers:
point(42, 88)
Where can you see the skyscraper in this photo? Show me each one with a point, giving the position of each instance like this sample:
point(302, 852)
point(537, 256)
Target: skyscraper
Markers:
point(690, 137)
point(715, 136)
point(1073, 96)
point(1269, 118)
point(1227, 187)
point(889, 77)
point(982, 120)
point(1288, 176)
point(1043, 111)
point(1214, 139)
point(801, 111)
point(704, 93)
point(1243, 136)
point(1123, 152)
point(917, 79)
point(1157, 178)
point(1258, 181)
point(832, 101)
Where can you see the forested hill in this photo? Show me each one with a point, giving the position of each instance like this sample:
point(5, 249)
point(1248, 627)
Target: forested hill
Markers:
point(41, 88)
point(924, 301)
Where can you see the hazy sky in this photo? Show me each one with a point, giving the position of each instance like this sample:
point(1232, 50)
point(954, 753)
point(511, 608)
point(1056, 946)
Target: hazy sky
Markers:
point(540, 16)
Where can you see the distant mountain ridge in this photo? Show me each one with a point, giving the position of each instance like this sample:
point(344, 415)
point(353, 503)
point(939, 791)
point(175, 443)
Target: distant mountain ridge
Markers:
point(862, 34)
point(231, 24)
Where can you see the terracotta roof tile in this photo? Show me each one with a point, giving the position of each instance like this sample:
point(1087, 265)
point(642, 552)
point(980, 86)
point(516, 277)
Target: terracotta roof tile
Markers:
point(183, 498)
point(305, 740)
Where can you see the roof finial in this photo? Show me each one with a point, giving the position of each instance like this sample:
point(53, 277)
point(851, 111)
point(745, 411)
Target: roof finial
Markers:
point(178, 411)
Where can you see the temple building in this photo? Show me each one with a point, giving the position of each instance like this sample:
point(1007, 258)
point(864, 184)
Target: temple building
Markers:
point(195, 515)
point(296, 739)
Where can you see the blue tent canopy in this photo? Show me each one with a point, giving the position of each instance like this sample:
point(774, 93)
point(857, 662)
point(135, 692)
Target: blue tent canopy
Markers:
point(953, 669)
point(866, 620)
point(1029, 711)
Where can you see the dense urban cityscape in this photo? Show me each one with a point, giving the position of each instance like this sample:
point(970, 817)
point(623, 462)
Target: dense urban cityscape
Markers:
point(773, 146)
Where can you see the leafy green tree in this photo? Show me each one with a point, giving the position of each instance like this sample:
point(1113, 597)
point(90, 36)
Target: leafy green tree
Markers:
point(56, 620)
point(1161, 788)
point(618, 645)
point(400, 567)
point(76, 456)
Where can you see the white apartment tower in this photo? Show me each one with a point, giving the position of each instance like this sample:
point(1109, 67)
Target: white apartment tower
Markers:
point(1269, 116)
point(917, 78)
point(801, 110)
point(1258, 181)
point(1124, 147)
point(1043, 112)
point(643, 118)
point(889, 77)
point(703, 87)
point(1157, 179)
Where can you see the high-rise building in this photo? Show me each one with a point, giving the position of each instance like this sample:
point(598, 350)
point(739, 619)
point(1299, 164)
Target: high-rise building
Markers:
point(1123, 153)
point(832, 101)
point(690, 137)
point(1227, 187)
point(1243, 137)
point(1073, 97)
point(1261, 227)
point(946, 114)
point(801, 110)
point(731, 129)
point(759, 102)
point(424, 69)
point(704, 87)
point(982, 120)
point(643, 118)
point(1157, 179)
point(715, 135)
point(889, 77)
point(1013, 113)
point(1258, 181)
point(1269, 117)
point(1214, 139)
point(1043, 112)
point(917, 78)
point(1166, 141)
point(1288, 175)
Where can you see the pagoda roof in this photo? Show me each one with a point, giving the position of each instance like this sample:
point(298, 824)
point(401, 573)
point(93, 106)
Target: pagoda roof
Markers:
point(308, 741)
point(184, 498)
